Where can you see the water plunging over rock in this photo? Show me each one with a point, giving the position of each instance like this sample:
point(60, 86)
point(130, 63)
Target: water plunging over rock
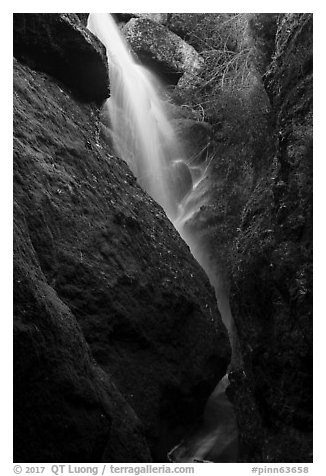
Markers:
point(163, 51)
point(142, 134)
point(91, 246)
point(144, 137)
point(104, 254)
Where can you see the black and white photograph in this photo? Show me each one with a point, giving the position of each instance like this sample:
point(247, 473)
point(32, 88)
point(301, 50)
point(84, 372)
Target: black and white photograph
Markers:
point(162, 241)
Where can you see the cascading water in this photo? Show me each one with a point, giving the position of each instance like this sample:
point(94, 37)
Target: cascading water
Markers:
point(142, 134)
point(144, 138)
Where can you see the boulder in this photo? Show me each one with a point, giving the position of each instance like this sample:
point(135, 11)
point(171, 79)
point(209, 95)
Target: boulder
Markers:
point(182, 112)
point(183, 24)
point(163, 51)
point(66, 408)
point(219, 33)
point(60, 45)
point(157, 17)
point(83, 17)
point(111, 259)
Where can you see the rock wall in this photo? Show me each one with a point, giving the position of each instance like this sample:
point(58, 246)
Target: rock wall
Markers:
point(272, 267)
point(104, 254)
point(60, 45)
point(93, 248)
point(254, 227)
point(66, 408)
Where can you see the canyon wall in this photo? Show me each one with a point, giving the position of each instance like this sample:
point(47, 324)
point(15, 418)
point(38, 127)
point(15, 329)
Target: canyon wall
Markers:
point(118, 340)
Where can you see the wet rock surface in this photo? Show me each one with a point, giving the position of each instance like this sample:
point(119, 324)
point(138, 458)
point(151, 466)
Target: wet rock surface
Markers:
point(110, 258)
point(60, 45)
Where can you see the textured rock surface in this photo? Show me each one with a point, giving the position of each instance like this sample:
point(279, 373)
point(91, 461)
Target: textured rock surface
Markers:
point(157, 17)
point(161, 49)
point(61, 46)
point(83, 17)
point(191, 26)
point(183, 24)
point(65, 407)
point(195, 136)
point(272, 267)
point(233, 151)
point(253, 222)
point(92, 246)
point(108, 252)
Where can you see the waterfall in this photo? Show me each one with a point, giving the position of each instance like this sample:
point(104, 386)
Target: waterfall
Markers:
point(142, 133)
point(144, 138)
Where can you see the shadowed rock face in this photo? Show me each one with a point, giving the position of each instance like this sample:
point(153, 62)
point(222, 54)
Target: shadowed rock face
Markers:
point(106, 255)
point(255, 220)
point(65, 407)
point(83, 17)
point(162, 50)
point(61, 46)
point(161, 18)
point(195, 137)
point(272, 267)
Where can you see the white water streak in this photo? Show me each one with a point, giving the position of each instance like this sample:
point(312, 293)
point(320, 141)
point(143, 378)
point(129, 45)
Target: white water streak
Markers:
point(142, 133)
point(144, 138)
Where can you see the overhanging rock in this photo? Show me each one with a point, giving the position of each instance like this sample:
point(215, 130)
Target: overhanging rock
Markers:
point(60, 45)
